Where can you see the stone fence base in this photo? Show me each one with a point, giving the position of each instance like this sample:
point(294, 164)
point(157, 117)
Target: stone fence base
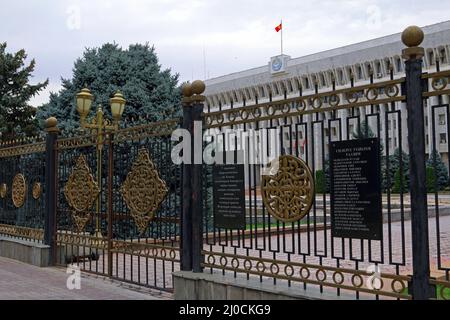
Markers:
point(25, 251)
point(207, 286)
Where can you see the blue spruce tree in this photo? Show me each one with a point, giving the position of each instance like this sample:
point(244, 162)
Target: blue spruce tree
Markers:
point(151, 93)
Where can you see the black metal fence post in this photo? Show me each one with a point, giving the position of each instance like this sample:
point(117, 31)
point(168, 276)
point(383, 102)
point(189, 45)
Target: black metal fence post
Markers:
point(198, 87)
point(186, 227)
point(50, 188)
point(412, 37)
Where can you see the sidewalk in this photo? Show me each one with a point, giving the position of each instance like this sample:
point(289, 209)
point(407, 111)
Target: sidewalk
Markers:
point(19, 281)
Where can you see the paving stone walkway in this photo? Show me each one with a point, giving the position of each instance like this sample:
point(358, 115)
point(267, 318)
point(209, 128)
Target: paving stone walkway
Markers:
point(20, 281)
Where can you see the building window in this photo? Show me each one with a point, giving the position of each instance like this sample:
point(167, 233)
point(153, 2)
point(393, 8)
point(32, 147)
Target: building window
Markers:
point(378, 68)
point(399, 65)
point(443, 56)
point(431, 57)
point(443, 138)
point(389, 124)
point(427, 139)
point(390, 143)
point(277, 92)
point(290, 88)
point(340, 76)
point(306, 83)
point(442, 119)
point(261, 92)
point(360, 73)
point(334, 131)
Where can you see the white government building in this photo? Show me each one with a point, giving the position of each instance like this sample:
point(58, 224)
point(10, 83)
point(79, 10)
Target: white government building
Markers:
point(286, 74)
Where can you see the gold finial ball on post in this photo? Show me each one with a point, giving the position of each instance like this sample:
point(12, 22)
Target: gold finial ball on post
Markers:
point(186, 89)
point(51, 124)
point(413, 36)
point(198, 87)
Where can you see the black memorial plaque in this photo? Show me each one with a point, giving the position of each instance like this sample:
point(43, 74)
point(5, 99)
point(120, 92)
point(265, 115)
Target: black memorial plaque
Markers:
point(229, 196)
point(356, 210)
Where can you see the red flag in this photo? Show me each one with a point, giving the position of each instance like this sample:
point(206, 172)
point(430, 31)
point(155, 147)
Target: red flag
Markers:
point(279, 27)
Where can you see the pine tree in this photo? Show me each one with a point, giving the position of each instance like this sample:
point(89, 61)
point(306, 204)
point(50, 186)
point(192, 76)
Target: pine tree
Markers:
point(17, 117)
point(151, 93)
point(440, 170)
point(363, 131)
point(431, 181)
point(394, 171)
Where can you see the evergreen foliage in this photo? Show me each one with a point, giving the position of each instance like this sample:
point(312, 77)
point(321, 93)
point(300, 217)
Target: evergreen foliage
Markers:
point(439, 169)
point(17, 117)
point(151, 93)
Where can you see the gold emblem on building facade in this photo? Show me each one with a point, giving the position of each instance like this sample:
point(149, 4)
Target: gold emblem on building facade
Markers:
point(19, 190)
point(81, 191)
point(143, 190)
point(288, 191)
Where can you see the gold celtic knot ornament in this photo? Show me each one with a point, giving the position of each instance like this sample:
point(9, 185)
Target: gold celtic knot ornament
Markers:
point(37, 190)
point(3, 190)
point(81, 191)
point(143, 190)
point(289, 191)
point(19, 190)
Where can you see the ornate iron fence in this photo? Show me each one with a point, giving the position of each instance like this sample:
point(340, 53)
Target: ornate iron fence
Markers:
point(304, 253)
point(120, 207)
point(22, 192)
point(119, 204)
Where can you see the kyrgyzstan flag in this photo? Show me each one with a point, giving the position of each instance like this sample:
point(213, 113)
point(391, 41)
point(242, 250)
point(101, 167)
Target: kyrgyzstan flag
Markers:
point(279, 27)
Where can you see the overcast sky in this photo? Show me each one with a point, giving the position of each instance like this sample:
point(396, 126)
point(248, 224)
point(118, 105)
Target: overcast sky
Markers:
point(200, 38)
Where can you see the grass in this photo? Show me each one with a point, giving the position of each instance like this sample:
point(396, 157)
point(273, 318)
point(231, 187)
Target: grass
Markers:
point(445, 295)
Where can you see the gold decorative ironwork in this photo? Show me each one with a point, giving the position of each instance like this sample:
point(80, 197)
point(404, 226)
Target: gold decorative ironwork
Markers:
point(143, 190)
point(361, 96)
point(37, 190)
point(439, 82)
point(289, 191)
point(155, 129)
point(3, 190)
point(19, 190)
point(22, 232)
point(22, 150)
point(81, 191)
point(391, 285)
point(76, 142)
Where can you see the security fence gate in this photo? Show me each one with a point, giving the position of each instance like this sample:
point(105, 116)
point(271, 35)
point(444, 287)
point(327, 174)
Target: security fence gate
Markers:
point(121, 219)
point(116, 204)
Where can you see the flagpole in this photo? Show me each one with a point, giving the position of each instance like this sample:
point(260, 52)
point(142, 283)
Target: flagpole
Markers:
point(281, 36)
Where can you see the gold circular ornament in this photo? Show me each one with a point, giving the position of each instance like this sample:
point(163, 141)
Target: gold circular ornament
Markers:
point(3, 190)
point(19, 190)
point(37, 190)
point(439, 83)
point(288, 190)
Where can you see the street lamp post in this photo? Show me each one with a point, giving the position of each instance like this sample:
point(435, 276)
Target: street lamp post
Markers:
point(99, 125)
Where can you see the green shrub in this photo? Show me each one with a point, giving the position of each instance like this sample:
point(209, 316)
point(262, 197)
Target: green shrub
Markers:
point(320, 184)
point(431, 180)
point(398, 184)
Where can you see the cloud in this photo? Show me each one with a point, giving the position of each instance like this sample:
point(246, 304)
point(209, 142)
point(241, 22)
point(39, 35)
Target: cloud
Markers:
point(234, 34)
